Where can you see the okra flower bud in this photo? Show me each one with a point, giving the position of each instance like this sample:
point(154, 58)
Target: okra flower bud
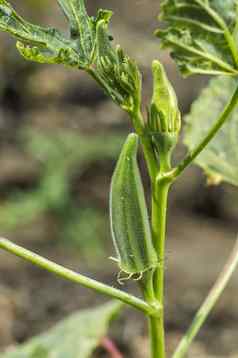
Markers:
point(129, 216)
point(164, 121)
point(120, 73)
point(164, 106)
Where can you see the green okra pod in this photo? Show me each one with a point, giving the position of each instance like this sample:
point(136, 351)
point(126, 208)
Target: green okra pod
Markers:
point(129, 215)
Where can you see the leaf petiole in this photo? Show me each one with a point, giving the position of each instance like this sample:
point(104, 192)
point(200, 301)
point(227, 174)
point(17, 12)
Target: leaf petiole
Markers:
point(211, 134)
point(72, 276)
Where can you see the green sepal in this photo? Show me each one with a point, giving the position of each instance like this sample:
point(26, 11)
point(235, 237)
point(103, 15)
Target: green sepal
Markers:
point(165, 142)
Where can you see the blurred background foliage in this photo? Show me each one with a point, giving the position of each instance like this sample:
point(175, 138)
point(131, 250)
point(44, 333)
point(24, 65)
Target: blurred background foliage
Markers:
point(59, 140)
point(61, 156)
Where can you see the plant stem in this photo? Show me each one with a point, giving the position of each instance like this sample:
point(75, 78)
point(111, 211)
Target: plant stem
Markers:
point(211, 134)
point(156, 334)
point(208, 304)
point(159, 218)
point(160, 188)
point(159, 213)
point(78, 278)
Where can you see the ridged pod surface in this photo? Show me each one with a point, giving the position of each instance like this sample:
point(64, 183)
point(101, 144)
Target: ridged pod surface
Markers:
point(129, 215)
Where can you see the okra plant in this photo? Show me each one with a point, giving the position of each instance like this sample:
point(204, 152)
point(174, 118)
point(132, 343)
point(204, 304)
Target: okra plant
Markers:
point(202, 37)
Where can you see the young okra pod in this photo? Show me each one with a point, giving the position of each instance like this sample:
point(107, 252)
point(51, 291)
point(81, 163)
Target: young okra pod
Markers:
point(129, 215)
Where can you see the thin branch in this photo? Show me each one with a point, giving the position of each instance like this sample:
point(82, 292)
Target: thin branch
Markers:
point(78, 278)
point(211, 134)
point(208, 304)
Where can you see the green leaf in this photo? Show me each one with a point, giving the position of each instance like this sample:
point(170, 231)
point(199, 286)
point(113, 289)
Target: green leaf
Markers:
point(80, 24)
point(45, 45)
point(76, 336)
point(202, 35)
point(220, 159)
point(83, 27)
point(48, 45)
point(89, 47)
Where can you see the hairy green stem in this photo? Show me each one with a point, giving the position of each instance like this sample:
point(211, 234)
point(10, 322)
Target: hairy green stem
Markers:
point(156, 334)
point(208, 304)
point(211, 134)
point(159, 216)
point(78, 278)
point(160, 189)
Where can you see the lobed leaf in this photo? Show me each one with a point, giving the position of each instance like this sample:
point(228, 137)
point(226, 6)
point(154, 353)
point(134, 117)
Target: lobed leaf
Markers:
point(202, 35)
point(40, 44)
point(76, 336)
point(82, 26)
point(80, 23)
point(220, 159)
point(89, 47)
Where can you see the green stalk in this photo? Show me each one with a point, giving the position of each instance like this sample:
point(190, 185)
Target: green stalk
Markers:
point(160, 189)
point(211, 134)
point(156, 334)
point(159, 216)
point(156, 325)
point(78, 278)
point(208, 304)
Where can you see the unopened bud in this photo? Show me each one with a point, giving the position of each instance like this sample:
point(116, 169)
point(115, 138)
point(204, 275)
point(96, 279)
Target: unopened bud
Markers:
point(164, 120)
point(164, 111)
